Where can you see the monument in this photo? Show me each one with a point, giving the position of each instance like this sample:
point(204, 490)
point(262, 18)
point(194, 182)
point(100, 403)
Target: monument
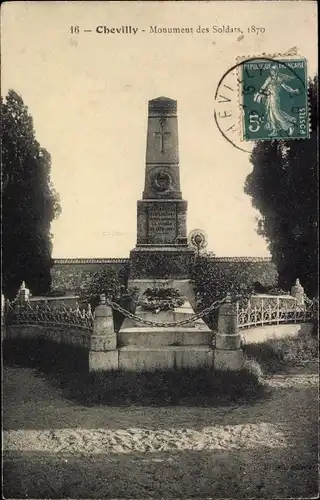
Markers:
point(162, 258)
point(162, 250)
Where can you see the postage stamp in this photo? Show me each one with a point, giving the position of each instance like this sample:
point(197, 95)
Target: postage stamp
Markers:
point(274, 95)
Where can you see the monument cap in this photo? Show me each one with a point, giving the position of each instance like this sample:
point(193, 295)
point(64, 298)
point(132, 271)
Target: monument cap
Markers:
point(163, 105)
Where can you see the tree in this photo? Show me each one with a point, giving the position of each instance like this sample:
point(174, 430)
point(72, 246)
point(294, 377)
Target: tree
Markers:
point(283, 187)
point(29, 202)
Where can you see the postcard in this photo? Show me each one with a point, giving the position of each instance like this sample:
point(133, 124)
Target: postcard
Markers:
point(159, 249)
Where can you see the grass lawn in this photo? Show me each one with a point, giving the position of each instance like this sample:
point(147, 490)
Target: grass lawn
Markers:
point(184, 434)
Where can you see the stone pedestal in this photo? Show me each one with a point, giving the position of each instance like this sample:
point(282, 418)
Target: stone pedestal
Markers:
point(103, 361)
point(228, 355)
point(103, 353)
point(148, 347)
point(227, 342)
point(23, 294)
point(297, 291)
point(162, 250)
point(228, 360)
point(161, 221)
point(135, 358)
point(162, 262)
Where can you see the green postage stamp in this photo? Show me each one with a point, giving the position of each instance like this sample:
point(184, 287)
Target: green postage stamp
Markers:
point(274, 99)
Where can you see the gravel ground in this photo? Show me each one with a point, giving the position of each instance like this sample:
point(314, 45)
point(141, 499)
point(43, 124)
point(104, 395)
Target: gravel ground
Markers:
point(54, 448)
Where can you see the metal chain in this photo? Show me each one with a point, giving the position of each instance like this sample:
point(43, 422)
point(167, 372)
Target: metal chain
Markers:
point(192, 319)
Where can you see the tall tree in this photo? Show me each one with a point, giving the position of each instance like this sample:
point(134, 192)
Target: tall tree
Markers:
point(283, 187)
point(29, 201)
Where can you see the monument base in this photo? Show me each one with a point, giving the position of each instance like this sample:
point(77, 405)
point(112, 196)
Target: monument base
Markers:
point(103, 360)
point(137, 359)
point(161, 262)
point(228, 360)
point(152, 347)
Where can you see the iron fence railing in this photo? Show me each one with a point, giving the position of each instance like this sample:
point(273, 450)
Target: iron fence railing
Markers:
point(258, 311)
point(274, 310)
point(43, 314)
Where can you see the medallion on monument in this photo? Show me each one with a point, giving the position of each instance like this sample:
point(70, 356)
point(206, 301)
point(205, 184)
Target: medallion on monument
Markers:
point(162, 181)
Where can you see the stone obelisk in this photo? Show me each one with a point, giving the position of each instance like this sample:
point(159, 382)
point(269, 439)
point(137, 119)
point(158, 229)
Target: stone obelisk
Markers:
point(161, 251)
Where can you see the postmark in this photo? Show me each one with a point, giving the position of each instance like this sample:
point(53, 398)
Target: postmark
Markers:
point(274, 99)
point(241, 101)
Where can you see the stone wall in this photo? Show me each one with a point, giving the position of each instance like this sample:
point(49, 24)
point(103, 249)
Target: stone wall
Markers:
point(248, 269)
point(69, 275)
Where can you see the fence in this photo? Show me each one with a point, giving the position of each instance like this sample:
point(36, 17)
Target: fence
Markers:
point(270, 310)
point(259, 311)
point(43, 314)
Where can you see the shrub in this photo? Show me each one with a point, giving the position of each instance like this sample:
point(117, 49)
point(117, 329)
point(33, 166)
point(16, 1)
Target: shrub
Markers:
point(277, 354)
point(113, 283)
point(253, 367)
point(213, 280)
point(109, 281)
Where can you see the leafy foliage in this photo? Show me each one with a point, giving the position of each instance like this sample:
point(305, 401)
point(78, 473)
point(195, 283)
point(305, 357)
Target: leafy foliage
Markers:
point(109, 281)
point(29, 201)
point(214, 280)
point(283, 187)
point(113, 283)
point(276, 355)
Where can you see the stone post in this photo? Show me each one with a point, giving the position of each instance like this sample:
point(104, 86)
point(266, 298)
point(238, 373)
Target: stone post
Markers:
point(297, 291)
point(23, 294)
point(228, 355)
point(103, 354)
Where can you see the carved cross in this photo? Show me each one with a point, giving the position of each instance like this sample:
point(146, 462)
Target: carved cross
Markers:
point(162, 135)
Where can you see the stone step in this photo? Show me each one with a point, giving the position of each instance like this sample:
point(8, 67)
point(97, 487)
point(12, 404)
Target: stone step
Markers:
point(169, 357)
point(157, 337)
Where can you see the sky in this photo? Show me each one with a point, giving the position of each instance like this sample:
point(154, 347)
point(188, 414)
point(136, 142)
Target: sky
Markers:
point(88, 93)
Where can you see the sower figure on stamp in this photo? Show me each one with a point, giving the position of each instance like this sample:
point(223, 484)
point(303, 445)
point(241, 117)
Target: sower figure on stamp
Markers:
point(277, 119)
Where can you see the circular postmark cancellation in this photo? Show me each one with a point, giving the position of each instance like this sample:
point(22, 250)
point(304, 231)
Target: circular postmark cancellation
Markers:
point(263, 98)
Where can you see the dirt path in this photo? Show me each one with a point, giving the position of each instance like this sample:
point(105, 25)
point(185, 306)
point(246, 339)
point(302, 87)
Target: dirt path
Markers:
point(56, 449)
